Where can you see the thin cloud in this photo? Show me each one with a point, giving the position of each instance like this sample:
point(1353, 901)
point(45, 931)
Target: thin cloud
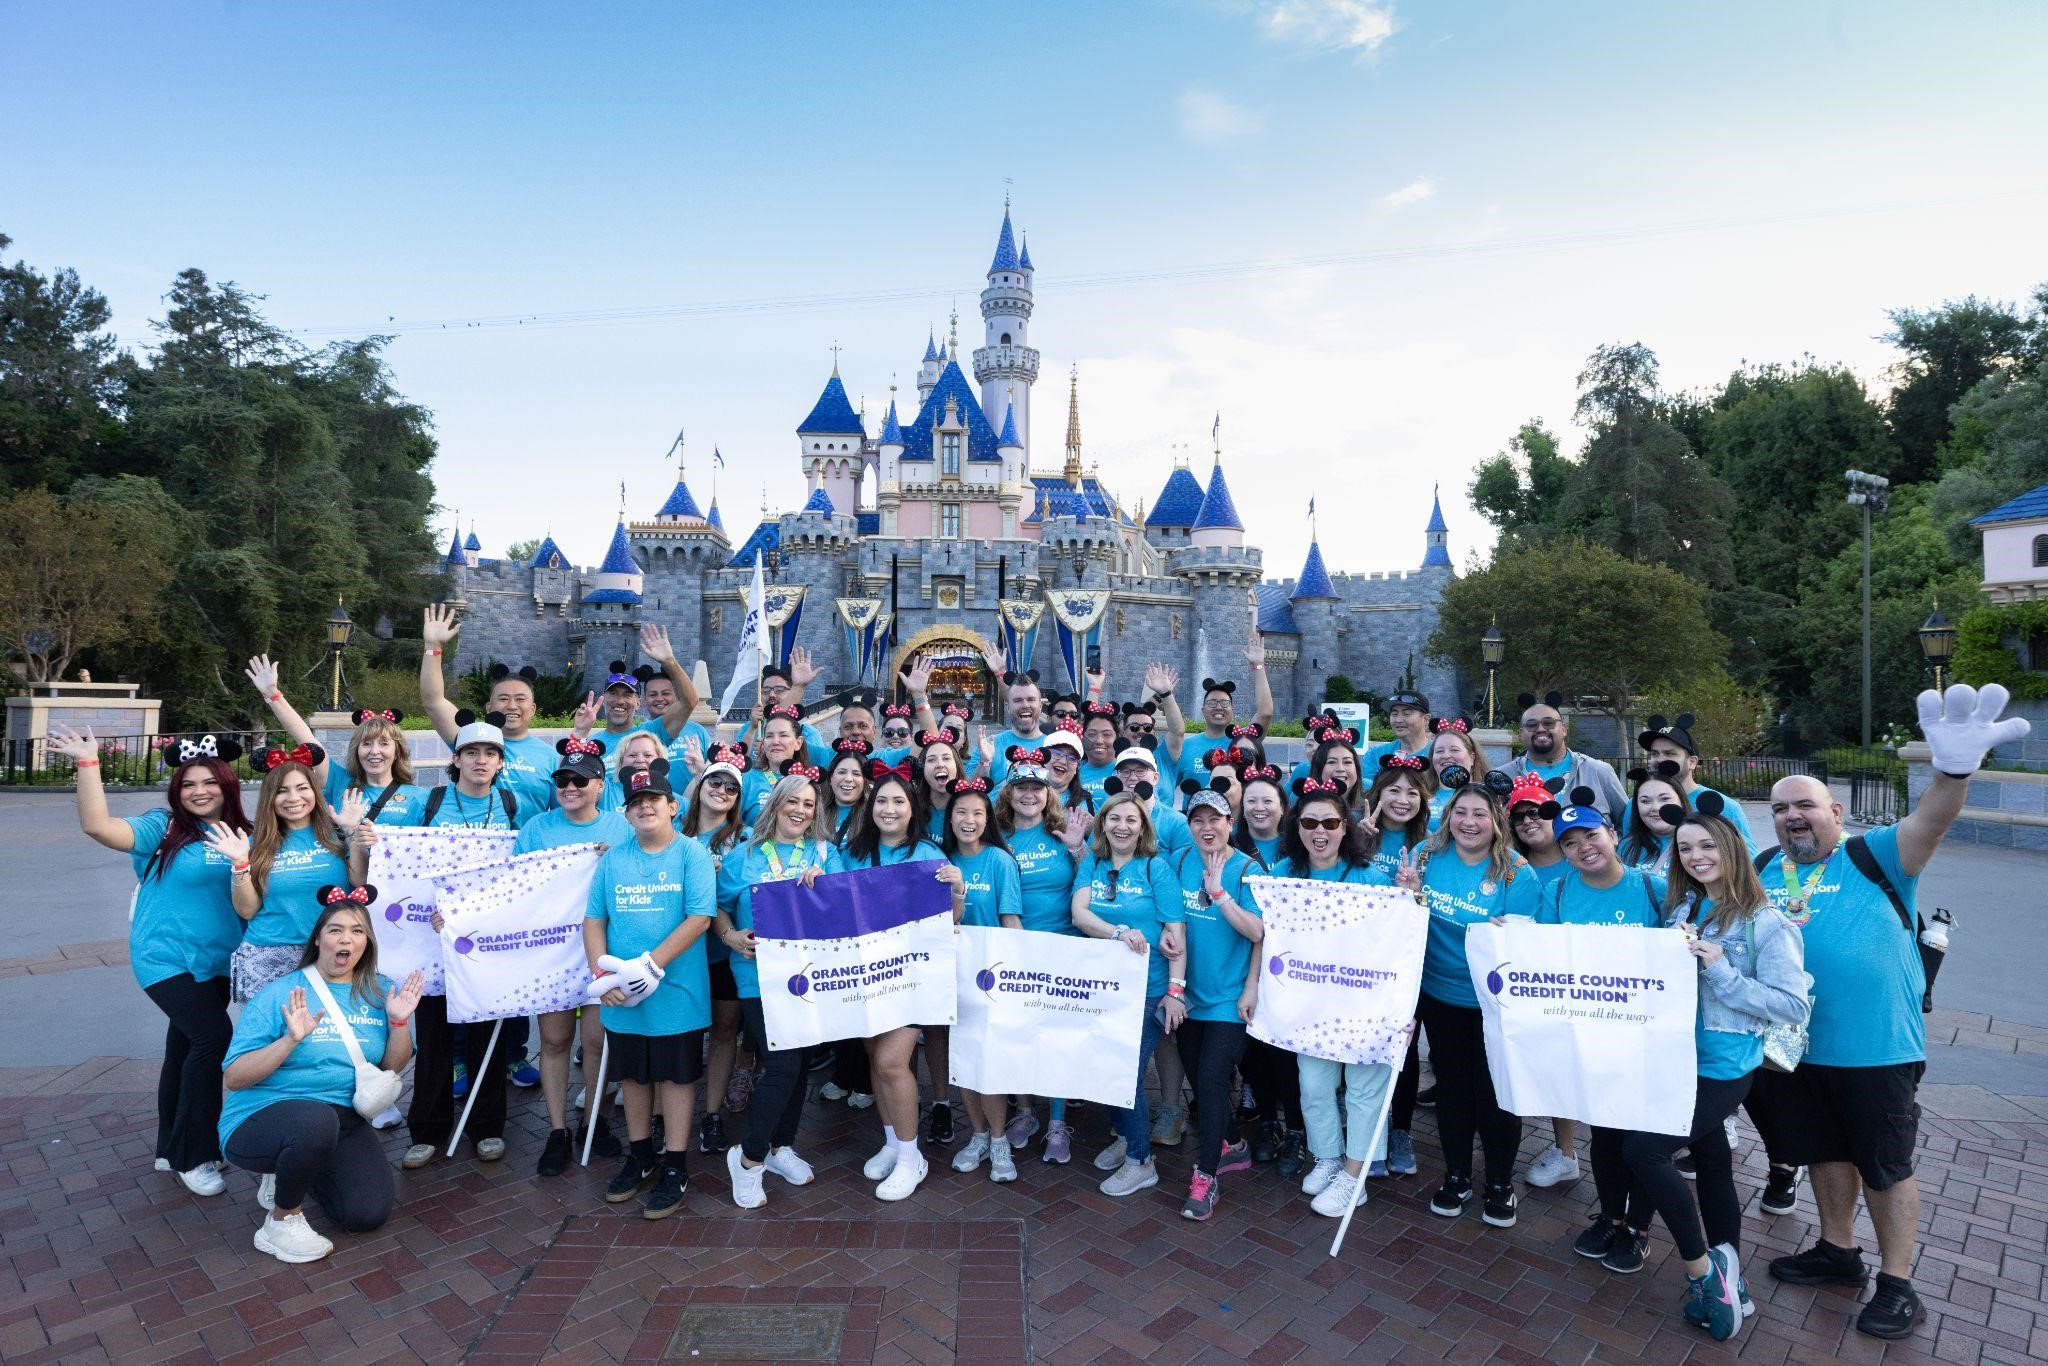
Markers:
point(1414, 192)
point(1330, 25)
point(1211, 120)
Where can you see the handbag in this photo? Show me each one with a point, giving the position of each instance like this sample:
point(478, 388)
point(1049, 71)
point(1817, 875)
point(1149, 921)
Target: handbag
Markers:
point(1784, 1044)
point(376, 1088)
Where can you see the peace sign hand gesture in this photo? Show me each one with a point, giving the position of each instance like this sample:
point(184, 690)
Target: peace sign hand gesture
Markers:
point(1408, 875)
point(585, 719)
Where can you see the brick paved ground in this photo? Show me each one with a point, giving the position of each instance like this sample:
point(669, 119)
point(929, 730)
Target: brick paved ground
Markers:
point(100, 1257)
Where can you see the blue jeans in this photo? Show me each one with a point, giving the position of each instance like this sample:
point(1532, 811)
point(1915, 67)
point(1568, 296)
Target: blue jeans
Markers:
point(1134, 1125)
point(1365, 1089)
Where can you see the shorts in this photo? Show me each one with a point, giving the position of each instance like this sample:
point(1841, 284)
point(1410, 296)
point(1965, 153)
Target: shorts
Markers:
point(723, 986)
point(674, 1059)
point(1866, 1116)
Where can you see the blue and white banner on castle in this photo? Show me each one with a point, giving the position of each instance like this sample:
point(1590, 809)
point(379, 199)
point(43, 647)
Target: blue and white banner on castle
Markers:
point(1340, 969)
point(782, 607)
point(854, 954)
point(878, 647)
point(404, 862)
point(1077, 618)
point(1020, 618)
point(1048, 1015)
point(857, 617)
point(512, 934)
point(1589, 1022)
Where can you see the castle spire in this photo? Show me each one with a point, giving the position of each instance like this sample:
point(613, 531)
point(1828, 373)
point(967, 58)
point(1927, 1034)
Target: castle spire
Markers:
point(1073, 469)
point(1436, 537)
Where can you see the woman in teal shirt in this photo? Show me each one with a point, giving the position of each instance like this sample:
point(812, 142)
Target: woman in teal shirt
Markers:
point(1468, 873)
point(845, 786)
point(1647, 843)
point(713, 819)
point(783, 848)
point(297, 845)
point(377, 761)
point(1262, 806)
point(183, 933)
point(1098, 747)
point(989, 893)
point(1398, 807)
point(1272, 1073)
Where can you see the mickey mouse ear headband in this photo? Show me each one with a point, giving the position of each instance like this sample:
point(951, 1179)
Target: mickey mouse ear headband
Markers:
point(1140, 708)
point(1141, 789)
point(1017, 680)
point(1226, 686)
point(331, 895)
point(1441, 724)
point(267, 757)
point(1678, 732)
point(1553, 698)
point(844, 745)
point(362, 714)
point(1704, 803)
point(1581, 798)
point(499, 672)
point(179, 751)
point(1407, 763)
point(1251, 730)
point(618, 676)
point(1664, 770)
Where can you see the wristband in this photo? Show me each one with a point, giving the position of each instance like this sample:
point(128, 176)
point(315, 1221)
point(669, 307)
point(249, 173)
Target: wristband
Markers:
point(1175, 993)
point(87, 763)
point(1176, 981)
point(398, 1024)
point(276, 695)
point(238, 868)
point(433, 649)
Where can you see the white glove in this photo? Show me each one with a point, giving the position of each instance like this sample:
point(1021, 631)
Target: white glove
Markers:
point(1962, 726)
point(636, 977)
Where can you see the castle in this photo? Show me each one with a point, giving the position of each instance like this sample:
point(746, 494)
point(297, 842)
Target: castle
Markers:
point(958, 521)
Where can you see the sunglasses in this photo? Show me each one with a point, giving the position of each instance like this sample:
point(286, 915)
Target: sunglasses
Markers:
point(722, 784)
point(1139, 730)
point(1112, 875)
point(895, 732)
point(571, 780)
point(1325, 823)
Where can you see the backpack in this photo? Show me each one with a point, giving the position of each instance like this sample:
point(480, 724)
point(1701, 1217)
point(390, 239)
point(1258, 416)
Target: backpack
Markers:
point(440, 795)
point(1865, 862)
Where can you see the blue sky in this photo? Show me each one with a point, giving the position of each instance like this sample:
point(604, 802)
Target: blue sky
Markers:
point(1489, 191)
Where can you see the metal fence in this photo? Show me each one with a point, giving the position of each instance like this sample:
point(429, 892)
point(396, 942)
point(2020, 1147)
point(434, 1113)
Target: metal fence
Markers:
point(125, 760)
point(1749, 777)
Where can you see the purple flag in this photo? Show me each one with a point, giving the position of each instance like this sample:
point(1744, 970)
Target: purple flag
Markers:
point(841, 905)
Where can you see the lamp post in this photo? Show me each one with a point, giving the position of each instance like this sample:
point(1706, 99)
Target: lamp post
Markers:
point(1938, 643)
point(339, 629)
point(1493, 647)
point(1866, 491)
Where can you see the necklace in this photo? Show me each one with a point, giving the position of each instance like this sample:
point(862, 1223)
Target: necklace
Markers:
point(1798, 899)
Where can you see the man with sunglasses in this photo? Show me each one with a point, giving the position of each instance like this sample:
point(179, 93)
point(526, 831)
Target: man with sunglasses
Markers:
point(575, 819)
point(1544, 732)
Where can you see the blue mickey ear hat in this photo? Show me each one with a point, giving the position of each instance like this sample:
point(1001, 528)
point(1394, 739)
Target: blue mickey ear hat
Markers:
point(1578, 814)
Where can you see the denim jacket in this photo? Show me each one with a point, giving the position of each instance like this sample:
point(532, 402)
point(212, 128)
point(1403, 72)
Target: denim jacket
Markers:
point(1761, 978)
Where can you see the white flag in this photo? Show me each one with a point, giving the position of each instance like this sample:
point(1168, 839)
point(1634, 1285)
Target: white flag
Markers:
point(747, 667)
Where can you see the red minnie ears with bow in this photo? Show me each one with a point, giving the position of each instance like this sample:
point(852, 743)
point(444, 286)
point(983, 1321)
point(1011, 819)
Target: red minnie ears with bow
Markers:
point(274, 756)
point(354, 896)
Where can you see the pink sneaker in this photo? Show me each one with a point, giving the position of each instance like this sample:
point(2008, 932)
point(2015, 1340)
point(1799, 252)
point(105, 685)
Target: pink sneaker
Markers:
point(1059, 1143)
point(1237, 1157)
point(1201, 1201)
point(1022, 1126)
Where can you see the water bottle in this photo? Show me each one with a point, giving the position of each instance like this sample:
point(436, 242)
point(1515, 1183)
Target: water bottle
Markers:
point(1935, 936)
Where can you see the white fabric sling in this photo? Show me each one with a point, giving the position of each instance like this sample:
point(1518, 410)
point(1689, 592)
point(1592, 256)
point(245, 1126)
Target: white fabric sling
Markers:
point(376, 1088)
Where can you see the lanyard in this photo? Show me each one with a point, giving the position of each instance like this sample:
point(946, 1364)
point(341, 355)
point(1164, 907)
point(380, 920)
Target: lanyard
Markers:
point(1797, 898)
point(775, 869)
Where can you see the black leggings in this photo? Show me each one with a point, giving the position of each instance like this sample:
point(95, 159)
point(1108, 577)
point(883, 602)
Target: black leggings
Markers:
point(850, 1066)
point(778, 1104)
point(188, 1087)
point(1649, 1158)
point(1407, 1085)
point(1275, 1079)
point(1465, 1103)
point(326, 1151)
point(1623, 1200)
point(431, 1120)
point(1209, 1050)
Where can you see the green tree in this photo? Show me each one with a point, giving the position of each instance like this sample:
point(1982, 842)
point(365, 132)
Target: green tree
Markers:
point(1520, 489)
point(1999, 450)
point(54, 358)
point(77, 574)
point(522, 552)
point(1949, 349)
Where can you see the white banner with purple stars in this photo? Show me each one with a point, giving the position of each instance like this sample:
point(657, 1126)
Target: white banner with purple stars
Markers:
point(403, 864)
point(1048, 1015)
point(1590, 1022)
point(1343, 969)
point(512, 934)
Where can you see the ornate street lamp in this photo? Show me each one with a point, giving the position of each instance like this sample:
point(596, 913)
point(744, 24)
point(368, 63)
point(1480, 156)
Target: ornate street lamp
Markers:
point(1938, 643)
point(1493, 647)
point(339, 629)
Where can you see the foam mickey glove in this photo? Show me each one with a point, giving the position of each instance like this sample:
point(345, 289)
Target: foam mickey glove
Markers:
point(635, 977)
point(1963, 725)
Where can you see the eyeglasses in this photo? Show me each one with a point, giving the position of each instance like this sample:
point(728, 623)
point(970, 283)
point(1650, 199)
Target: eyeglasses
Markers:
point(1551, 724)
point(571, 780)
point(1326, 823)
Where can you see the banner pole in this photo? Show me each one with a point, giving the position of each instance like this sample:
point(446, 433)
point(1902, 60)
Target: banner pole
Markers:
point(476, 1084)
point(594, 1105)
point(1378, 1133)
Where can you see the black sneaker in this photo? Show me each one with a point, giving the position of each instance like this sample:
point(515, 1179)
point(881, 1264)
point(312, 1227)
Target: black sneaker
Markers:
point(1266, 1143)
point(1781, 1191)
point(1427, 1095)
point(711, 1135)
point(1627, 1255)
point(1293, 1159)
point(554, 1158)
point(1894, 1310)
point(938, 1124)
point(1598, 1239)
point(669, 1184)
point(1451, 1197)
point(1498, 1208)
point(1822, 1264)
point(631, 1180)
point(1687, 1168)
point(606, 1143)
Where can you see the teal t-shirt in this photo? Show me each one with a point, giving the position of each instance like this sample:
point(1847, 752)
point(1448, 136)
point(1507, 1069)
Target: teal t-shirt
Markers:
point(1557, 770)
point(1092, 777)
point(994, 887)
point(999, 765)
point(1460, 895)
point(1439, 802)
point(677, 749)
point(481, 813)
point(816, 751)
point(1549, 872)
point(1867, 975)
point(1269, 850)
point(1147, 898)
point(1218, 956)
point(302, 867)
point(642, 899)
point(746, 868)
point(1723, 1054)
point(1637, 899)
point(1171, 828)
point(1386, 860)
point(553, 829)
point(1045, 874)
point(886, 856)
point(402, 808)
point(530, 772)
point(319, 1067)
point(1193, 751)
point(185, 919)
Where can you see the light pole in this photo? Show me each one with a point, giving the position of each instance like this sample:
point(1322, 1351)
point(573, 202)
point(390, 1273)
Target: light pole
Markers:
point(1938, 643)
point(1493, 647)
point(339, 629)
point(1867, 491)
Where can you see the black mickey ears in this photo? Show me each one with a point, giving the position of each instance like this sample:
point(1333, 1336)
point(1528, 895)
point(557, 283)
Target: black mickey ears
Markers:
point(617, 666)
point(1147, 742)
point(1189, 787)
point(1013, 678)
point(1553, 698)
point(1657, 722)
point(1140, 708)
point(1143, 790)
point(1525, 700)
point(1549, 810)
point(646, 673)
point(1226, 686)
point(1584, 796)
point(464, 716)
point(1637, 775)
point(1665, 768)
point(1671, 813)
point(1709, 803)
point(495, 718)
point(1219, 783)
point(1454, 777)
point(1498, 783)
point(499, 672)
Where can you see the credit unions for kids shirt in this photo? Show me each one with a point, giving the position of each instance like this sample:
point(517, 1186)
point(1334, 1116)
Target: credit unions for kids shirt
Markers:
point(642, 899)
point(185, 919)
point(1460, 895)
point(1218, 956)
point(319, 1067)
point(302, 866)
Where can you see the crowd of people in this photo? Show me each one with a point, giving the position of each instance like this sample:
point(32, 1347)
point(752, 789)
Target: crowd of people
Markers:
point(1080, 817)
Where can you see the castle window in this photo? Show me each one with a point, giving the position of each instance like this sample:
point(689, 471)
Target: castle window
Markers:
point(949, 521)
point(949, 457)
point(1006, 339)
point(2041, 552)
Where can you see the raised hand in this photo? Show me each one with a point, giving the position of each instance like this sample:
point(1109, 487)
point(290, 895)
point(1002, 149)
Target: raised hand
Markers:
point(803, 671)
point(440, 624)
point(654, 643)
point(693, 755)
point(401, 1003)
point(1213, 861)
point(918, 678)
point(998, 660)
point(352, 811)
point(1075, 830)
point(587, 712)
point(1159, 679)
point(1962, 726)
point(1255, 648)
point(298, 1021)
point(1408, 875)
point(985, 745)
point(228, 843)
point(263, 674)
point(73, 745)
point(1370, 818)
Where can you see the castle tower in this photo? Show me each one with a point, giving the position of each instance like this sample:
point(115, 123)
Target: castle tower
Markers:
point(1011, 450)
point(1172, 518)
point(1436, 536)
point(818, 543)
point(830, 440)
point(1006, 361)
point(1071, 472)
point(607, 620)
point(681, 546)
point(472, 549)
point(1314, 600)
point(1222, 573)
point(929, 370)
point(1216, 522)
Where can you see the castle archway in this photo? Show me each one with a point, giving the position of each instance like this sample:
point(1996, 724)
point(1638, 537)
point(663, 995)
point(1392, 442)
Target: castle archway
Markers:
point(961, 666)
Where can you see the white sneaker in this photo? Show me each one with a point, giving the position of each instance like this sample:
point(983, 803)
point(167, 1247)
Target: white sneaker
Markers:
point(163, 1164)
point(1552, 1168)
point(490, 1149)
point(1130, 1178)
point(1734, 1139)
point(1110, 1158)
point(1336, 1197)
point(971, 1156)
point(903, 1181)
point(291, 1239)
point(860, 1100)
point(786, 1164)
point(882, 1163)
point(390, 1119)
point(1001, 1165)
point(418, 1155)
point(266, 1191)
point(204, 1179)
point(1321, 1175)
point(747, 1182)
point(832, 1090)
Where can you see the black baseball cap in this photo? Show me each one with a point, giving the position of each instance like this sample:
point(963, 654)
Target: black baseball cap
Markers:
point(1408, 699)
